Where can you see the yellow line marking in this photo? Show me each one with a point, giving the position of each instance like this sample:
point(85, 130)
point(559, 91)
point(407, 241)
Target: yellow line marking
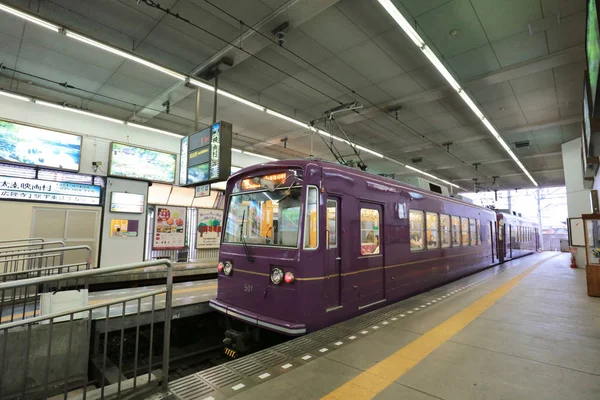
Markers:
point(375, 379)
point(19, 316)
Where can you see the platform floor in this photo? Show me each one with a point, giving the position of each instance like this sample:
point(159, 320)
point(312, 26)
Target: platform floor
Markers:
point(528, 331)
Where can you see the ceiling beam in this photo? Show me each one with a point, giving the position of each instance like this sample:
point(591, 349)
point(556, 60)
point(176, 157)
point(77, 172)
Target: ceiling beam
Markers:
point(536, 65)
point(295, 12)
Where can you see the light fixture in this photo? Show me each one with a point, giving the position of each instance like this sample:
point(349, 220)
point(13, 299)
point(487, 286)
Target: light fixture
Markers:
point(149, 128)
point(414, 36)
point(241, 100)
point(392, 10)
point(78, 111)
point(276, 276)
point(228, 268)
point(236, 150)
point(14, 96)
point(289, 119)
point(124, 54)
point(30, 18)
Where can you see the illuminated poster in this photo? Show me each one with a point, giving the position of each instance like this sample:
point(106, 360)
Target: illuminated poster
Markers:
point(169, 228)
point(25, 144)
point(12, 188)
point(140, 163)
point(208, 234)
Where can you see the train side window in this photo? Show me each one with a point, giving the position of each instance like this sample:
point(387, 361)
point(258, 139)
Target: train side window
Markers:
point(417, 228)
point(432, 231)
point(445, 230)
point(464, 230)
point(455, 231)
point(369, 231)
point(311, 219)
point(479, 233)
point(473, 231)
point(331, 224)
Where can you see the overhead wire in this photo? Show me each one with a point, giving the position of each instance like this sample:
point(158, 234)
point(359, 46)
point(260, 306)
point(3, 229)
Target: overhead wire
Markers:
point(154, 4)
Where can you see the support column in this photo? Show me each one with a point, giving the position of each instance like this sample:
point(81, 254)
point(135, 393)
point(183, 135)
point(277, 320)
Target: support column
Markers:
point(578, 191)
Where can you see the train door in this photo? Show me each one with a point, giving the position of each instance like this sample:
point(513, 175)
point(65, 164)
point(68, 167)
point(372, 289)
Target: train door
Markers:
point(372, 285)
point(501, 240)
point(492, 237)
point(333, 258)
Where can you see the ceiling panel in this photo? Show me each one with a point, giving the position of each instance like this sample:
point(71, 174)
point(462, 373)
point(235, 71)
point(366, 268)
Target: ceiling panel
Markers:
point(533, 117)
point(493, 92)
point(334, 31)
point(520, 47)
point(303, 48)
point(501, 19)
point(538, 99)
point(400, 86)
point(418, 7)
point(510, 121)
point(568, 33)
point(428, 77)
point(501, 108)
point(532, 81)
point(370, 61)
point(401, 49)
point(459, 18)
point(473, 63)
point(368, 15)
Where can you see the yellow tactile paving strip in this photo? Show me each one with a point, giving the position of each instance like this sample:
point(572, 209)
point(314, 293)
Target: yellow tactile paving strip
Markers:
point(375, 379)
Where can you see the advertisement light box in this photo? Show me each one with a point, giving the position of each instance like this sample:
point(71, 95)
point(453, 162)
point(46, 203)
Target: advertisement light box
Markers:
point(24, 189)
point(141, 163)
point(24, 144)
point(127, 202)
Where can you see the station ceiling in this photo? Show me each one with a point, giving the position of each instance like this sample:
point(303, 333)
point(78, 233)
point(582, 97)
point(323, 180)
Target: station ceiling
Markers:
point(521, 60)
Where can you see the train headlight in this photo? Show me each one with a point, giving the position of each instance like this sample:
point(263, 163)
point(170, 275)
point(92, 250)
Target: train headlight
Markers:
point(276, 276)
point(228, 268)
point(289, 277)
point(220, 267)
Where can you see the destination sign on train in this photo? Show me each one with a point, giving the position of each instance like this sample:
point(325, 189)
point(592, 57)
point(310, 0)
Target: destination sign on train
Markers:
point(258, 182)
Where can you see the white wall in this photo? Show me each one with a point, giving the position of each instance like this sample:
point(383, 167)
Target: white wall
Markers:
point(578, 194)
point(121, 250)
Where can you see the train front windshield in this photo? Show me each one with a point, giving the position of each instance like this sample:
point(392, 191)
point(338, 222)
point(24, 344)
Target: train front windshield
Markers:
point(267, 218)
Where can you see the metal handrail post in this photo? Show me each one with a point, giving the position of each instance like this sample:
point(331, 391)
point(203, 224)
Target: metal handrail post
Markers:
point(23, 240)
point(167, 329)
point(12, 246)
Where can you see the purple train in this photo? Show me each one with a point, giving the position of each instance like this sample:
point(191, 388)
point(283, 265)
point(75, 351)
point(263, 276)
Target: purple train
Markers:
point(308, 243)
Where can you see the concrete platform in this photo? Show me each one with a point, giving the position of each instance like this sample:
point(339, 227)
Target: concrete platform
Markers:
point(525, 330)
point(208, 267)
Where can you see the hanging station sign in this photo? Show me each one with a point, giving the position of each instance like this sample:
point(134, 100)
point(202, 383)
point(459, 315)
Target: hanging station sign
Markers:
point(206, 155)
point(169, 228)
point(208, 234)
point(12, 188)
point(202, 190)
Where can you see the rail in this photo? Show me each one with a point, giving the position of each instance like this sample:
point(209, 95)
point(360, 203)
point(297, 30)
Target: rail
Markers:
point(32, 259)
point(49, 354)
point(36, 239)
point(18, 248)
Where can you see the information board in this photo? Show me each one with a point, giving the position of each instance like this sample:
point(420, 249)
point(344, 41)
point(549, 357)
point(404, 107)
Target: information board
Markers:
point(127, 202)
point(12, 188)
point(206, 155)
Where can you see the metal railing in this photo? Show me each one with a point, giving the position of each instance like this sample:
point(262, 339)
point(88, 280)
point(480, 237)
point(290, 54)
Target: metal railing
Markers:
point(37, 239)
point(19, 248)
point(49, 354)
point(35, 259)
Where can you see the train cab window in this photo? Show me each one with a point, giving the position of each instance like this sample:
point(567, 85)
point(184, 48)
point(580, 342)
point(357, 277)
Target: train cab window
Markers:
point(369, 231)
point(473, 231)
point(311, 221)
point(464, 230)
point(479, 233)
point(432, 231)
point(417, 228)
point(445, 230)
point(455, 231)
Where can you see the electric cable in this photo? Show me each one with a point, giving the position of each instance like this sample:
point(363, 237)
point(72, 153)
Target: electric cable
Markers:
point(154, 4)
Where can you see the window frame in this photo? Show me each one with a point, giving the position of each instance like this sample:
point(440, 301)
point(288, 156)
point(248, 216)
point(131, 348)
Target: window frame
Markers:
point(449, 231)
point(452, 231)
point(479, 233)
point(423, 231)
point(462, 242)
point(327, 231)
point(318, 201)
point(437, 229)
point(472, 232)
point(366, 206)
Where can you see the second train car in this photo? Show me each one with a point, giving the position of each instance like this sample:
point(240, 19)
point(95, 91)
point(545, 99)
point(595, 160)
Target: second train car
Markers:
point(309, 243)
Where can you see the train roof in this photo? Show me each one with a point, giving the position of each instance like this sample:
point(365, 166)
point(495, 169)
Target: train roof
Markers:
point(302, 163)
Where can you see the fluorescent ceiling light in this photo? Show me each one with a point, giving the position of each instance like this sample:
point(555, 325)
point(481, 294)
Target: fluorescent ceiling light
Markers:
point(149, 128)
point(29, 18)
point(122, 53)
point(78, 111)
point(285, 117)
point(236, 150)
point(241, 100)
point(414, 36)
point(201, 84)
point(259, 155)
point(368, 151)
point(14, 96)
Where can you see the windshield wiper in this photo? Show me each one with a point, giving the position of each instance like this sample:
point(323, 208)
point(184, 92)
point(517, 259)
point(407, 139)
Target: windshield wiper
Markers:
point(246, 247)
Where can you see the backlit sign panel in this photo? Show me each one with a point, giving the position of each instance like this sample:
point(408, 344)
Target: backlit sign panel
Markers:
point(12, 188)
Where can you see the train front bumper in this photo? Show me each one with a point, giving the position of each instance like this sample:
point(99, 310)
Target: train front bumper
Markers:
point(273, 324)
